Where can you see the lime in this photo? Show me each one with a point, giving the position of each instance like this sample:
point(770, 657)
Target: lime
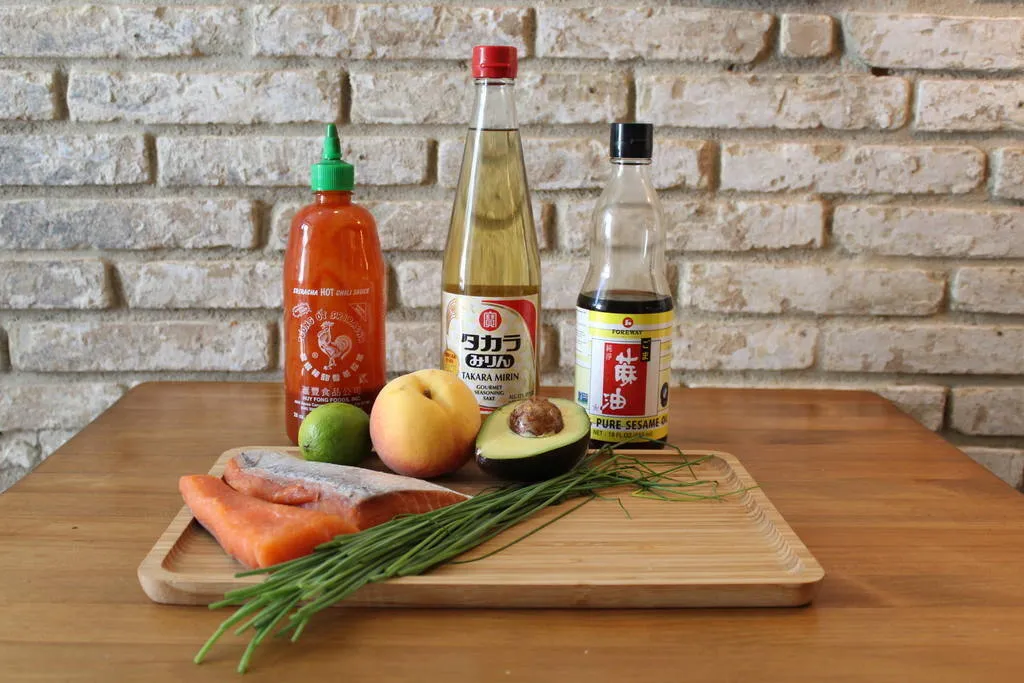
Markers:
point(338, 433)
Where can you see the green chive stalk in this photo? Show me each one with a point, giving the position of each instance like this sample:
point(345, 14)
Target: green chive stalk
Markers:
point(413, 544)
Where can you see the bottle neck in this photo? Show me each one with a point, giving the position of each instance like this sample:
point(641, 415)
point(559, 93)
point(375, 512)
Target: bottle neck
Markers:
point(618, 164)
point(332, 198)
point(494, 106)
point(628, 240)
point(631, 177)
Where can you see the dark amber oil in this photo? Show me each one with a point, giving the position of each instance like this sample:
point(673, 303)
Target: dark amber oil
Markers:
point(626, 301)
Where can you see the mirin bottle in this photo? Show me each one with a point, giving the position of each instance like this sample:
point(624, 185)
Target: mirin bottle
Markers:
point(491, 274)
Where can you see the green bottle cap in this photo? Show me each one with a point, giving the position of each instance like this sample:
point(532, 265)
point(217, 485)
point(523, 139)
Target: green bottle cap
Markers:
point(331, 174)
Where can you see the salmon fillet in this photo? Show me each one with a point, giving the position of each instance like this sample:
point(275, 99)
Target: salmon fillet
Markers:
point(362, 497)
point(253, 531)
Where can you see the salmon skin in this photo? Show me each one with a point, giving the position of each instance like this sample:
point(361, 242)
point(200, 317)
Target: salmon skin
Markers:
point(255, 532)
point(362, 497)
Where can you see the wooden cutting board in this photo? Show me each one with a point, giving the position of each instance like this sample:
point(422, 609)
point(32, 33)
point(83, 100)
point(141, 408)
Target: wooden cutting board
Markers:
point(707, 553)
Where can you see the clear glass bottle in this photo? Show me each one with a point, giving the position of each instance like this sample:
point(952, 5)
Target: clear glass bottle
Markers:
point(491, 272)
point(624, 313)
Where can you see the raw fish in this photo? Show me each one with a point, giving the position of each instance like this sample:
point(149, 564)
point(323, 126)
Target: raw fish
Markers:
point(362, 497)
point(253, 531)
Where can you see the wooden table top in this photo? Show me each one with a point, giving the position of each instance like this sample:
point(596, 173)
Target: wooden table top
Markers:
point(923, 549)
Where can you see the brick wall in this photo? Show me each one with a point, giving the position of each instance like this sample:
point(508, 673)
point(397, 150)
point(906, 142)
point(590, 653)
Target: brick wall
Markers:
point(843, 181)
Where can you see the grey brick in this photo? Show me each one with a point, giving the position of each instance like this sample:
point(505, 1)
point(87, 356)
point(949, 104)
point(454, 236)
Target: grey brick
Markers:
point(929, 41)
point(141, 346)
point(54, 284)
point(413, 226)
point(841, 101)
point(55, 405)
point(52, 439)
point(567, 345)
point(744, 225)
point(419, 283)
point(560, 284)
point(835, 168)
point(741, 287)
point(99, 159)
point(285, 161)
point(280, 223)
point(28, 95)
point(988, 411)
point(389, 31)
point(744, 345)
point(969, 105)
point(19, 454)
point(126, 224)
point(280, 96)
point(803, 36)
point(129, 31)
point(413, 346)
point(617, 33)
point(1009, 172)
point(202, 284)
point(989, 290)
point(934, 348)
point(925, 231)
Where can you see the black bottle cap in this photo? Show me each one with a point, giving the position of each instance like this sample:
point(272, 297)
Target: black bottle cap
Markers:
point(632, 141)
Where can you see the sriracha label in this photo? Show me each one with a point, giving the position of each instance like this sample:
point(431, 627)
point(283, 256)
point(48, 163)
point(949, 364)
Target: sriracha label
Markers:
point(329, 330)
point(490, 342)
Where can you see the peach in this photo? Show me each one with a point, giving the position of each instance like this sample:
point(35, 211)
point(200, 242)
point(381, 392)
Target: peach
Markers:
point(424, 424)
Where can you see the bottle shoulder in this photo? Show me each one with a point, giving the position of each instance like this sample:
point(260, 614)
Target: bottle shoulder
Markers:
point(333, 238)
point(334, 216)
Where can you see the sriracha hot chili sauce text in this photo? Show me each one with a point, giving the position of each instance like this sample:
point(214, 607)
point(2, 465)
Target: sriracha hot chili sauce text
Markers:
point(624, 313)
point(491, 272)
point(334, 297)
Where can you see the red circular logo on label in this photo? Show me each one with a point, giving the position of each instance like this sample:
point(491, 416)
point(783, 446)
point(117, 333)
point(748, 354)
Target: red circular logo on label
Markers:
point(627, 322)
point(490, 319)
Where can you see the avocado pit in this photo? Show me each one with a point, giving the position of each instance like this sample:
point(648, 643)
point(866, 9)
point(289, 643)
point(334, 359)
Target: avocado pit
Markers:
point(535, 417)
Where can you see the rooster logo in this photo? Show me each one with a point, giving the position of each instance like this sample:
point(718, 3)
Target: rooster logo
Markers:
point(336, 348)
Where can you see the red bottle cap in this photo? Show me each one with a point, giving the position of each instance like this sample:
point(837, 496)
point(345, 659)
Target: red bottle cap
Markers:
point(495, 61)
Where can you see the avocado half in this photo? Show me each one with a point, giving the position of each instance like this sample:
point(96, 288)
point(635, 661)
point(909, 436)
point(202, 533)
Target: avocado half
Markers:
point(507, 448)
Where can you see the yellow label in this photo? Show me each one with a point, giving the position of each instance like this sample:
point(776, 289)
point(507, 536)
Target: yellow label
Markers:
point(623, 367)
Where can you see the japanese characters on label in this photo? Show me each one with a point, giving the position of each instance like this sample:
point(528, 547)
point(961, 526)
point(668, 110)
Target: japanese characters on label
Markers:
point(622, 372)
point(491, 344)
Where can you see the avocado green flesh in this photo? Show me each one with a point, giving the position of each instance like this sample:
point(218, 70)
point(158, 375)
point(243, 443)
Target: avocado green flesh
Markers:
point(507, 455)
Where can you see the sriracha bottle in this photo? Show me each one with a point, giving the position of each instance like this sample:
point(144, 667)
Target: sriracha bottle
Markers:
point(334, 297)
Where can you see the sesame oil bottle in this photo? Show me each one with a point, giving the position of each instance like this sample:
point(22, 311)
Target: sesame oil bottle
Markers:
point(624, 313)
